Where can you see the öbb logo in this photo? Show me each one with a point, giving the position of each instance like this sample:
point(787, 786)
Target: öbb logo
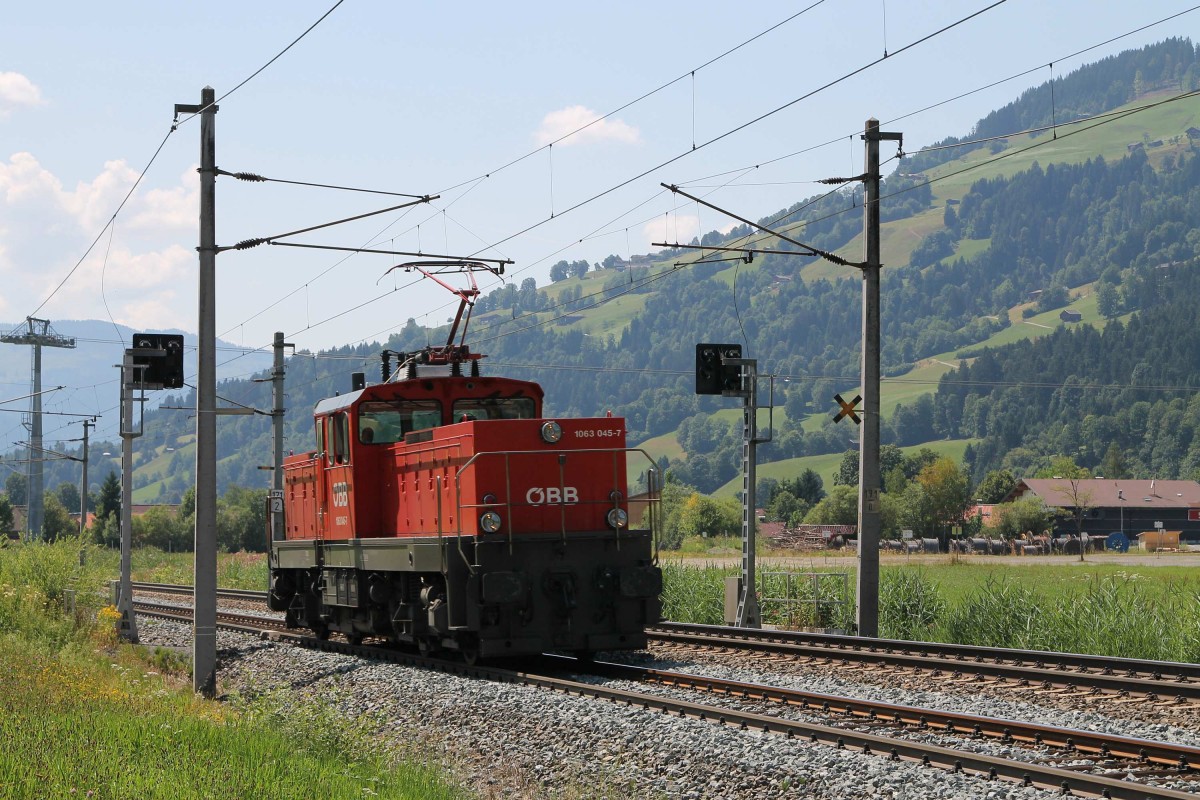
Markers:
point(552, 495)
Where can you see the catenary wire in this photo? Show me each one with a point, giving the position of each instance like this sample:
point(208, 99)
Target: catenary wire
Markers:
point(157, 151)
point(476, 181)
point(720, 137)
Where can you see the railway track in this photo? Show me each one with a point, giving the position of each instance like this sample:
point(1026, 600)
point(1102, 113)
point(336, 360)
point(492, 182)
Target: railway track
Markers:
point(1156, 681)
point(1070, 761)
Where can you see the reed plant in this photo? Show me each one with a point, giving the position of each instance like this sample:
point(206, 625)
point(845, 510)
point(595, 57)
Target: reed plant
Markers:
point(1124, 616)
point(911, 605)
point(1151, 614)
point(695, 594)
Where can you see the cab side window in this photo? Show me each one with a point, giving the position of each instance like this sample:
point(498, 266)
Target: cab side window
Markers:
point(339, 453)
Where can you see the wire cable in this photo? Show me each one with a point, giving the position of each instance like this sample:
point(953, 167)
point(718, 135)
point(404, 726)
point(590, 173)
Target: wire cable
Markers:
point(744, 125)
point(154, 158)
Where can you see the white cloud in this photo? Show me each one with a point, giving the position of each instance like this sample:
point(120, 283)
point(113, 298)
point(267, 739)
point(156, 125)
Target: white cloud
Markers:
point(142, 272)
point(22, 180)
point(177, 208)
point(16, 90)
point(560, 123)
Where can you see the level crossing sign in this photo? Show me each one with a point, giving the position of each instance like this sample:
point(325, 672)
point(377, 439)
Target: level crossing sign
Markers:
point(848, 409)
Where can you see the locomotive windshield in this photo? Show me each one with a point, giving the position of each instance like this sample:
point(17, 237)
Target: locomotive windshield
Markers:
point(386, 421)
point(472, 408)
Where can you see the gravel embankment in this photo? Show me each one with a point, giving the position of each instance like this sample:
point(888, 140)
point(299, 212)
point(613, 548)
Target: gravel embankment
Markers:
point(502, 740)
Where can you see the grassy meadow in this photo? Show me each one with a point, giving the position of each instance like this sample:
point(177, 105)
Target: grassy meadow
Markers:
point(82, 717)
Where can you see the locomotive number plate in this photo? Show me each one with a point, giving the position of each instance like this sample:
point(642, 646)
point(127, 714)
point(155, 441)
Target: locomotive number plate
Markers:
point(602, 433)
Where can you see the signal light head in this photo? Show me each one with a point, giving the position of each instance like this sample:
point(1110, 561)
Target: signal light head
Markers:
point(713, 374)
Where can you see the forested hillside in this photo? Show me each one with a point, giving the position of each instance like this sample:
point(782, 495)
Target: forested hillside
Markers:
point(620, 335)
point(1122, 402)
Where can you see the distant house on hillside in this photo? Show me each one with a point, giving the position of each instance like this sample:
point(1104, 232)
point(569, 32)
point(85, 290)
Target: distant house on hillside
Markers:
point(1067, 315)
point(1034, 295)
point(1110, 504)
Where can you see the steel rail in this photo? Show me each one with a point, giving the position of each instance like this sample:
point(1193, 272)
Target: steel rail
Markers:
point(174, 588)
point(1102, 664)
point(1044, 776)
point(1007, 731)
point(1156, 679)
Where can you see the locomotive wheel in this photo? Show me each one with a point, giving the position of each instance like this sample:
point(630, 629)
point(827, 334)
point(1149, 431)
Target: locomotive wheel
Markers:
point(320, 630)
point(354, 639)
point(470, 651)
point(425, 647)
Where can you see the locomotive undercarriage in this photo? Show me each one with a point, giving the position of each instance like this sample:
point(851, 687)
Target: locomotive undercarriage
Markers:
point(486, 597)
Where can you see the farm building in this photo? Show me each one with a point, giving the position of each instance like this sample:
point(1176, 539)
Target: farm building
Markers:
point(1115, 505)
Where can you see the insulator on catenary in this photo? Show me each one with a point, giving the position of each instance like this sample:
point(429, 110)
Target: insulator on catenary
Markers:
point(246, 244)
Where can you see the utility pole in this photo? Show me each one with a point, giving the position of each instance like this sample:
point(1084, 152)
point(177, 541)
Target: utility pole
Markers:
point(38, 334)
point(204, 631)
point(869, 483)
point(83, 489)
point(277, 412)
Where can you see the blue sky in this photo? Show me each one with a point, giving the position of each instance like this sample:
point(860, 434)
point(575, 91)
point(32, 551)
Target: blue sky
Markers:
point(422, 97)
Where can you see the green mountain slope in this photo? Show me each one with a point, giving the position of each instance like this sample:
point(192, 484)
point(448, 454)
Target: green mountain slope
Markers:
point(971, 232)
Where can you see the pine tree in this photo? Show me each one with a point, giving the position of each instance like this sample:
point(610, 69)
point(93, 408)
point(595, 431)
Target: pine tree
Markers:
point(109, 502)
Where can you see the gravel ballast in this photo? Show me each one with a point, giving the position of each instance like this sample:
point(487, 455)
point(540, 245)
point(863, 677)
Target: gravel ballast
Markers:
point(504, 740)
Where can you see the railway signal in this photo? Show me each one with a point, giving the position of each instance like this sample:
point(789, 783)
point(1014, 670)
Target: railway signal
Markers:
point(718, 370)
point(159, 371)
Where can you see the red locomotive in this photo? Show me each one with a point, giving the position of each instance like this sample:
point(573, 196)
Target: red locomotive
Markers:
point(441, 509)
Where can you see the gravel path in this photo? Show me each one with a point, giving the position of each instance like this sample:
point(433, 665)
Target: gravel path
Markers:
point(501, 740)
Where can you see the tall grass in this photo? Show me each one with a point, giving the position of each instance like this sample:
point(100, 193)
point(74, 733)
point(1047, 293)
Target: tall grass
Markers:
point(910, 605)
point(695, 594)
point(234, 570)
point(1119, 614)
point(40, 583)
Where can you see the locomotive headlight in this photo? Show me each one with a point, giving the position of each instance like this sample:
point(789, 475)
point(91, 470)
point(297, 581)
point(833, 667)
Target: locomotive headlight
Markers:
point(617, 518)
point(551, 432)
point(489, 521)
